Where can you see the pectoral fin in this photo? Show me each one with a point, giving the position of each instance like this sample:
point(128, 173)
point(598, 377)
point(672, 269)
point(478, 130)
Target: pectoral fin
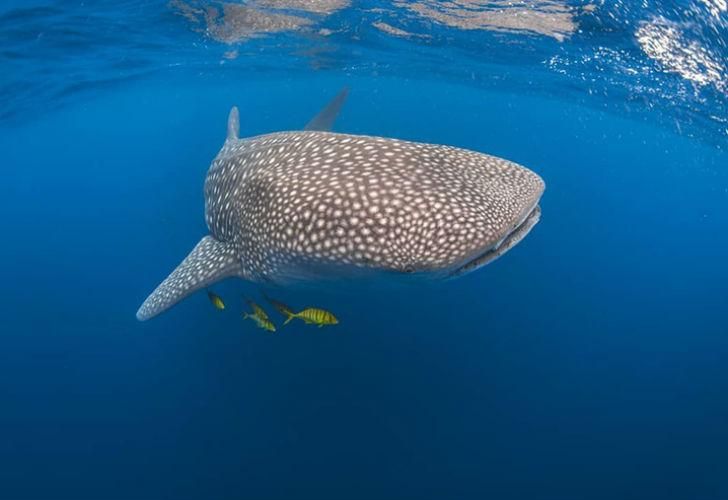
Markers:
point(210, 261)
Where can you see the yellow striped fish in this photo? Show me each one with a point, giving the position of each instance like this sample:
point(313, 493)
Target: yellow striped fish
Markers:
point(257, 310)
point(279, 306)
point(313, 316)
point(259, 316)
point(216, 300)
point(263, 323)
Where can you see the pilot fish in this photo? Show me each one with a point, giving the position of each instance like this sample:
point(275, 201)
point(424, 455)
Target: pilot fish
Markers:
point(313, 315)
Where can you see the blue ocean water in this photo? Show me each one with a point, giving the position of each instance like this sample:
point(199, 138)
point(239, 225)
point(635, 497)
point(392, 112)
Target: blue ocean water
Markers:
point(587, 363)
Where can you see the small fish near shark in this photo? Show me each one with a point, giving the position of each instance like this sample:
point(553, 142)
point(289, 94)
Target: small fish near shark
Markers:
point(314, 205)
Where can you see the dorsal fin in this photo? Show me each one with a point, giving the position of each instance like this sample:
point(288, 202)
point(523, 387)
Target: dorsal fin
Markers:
point(233, 129)
point(325, 119)
point(210, 261)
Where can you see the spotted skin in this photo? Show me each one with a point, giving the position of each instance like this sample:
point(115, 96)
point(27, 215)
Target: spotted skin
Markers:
point(312, 205)
point(294, 203)
point(205, 264)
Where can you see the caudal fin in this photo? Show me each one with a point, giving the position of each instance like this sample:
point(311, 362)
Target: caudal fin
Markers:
point(210, 261)
point(289, 318)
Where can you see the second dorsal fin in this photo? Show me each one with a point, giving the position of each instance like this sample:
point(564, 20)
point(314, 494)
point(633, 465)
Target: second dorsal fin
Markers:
point(325, 119)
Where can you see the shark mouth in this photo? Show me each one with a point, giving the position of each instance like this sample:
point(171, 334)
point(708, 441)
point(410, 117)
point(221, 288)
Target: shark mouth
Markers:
point(509, 241)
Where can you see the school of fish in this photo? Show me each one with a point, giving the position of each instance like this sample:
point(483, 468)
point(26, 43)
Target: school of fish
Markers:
point(258, 315)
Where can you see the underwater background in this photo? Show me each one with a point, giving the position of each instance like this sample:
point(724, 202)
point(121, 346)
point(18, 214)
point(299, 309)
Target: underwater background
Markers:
point(590, 362)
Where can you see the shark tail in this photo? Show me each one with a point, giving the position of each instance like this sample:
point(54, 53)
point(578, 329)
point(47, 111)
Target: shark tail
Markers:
point(210, 261)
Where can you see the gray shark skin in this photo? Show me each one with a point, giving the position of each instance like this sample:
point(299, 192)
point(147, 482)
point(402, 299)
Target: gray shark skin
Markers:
point(314, 205)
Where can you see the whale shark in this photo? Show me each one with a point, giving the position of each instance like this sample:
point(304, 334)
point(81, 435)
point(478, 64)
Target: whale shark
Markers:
point(314, 206)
